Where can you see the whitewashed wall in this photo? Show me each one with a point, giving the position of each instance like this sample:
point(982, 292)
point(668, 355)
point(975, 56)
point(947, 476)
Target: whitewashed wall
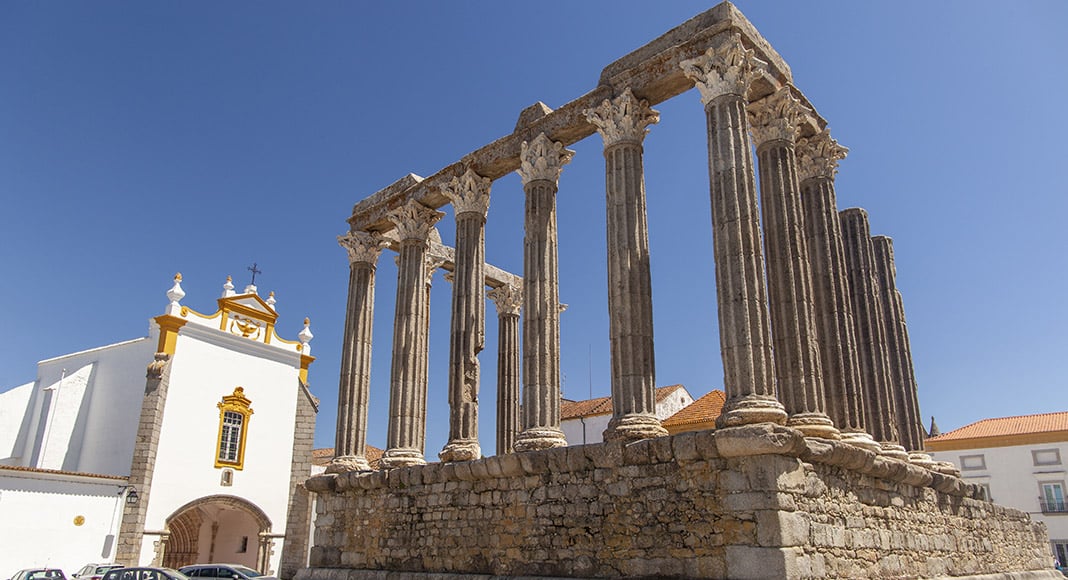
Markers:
point(34, 506)
point(13, 404)
point(591, 429)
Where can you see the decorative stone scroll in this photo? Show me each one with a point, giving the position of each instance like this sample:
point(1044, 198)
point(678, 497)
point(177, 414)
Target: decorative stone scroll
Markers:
point(777, 117)
point(363, 247)
point(508, 299)
point(469, 193)
point(414, 221)
point(543, 159)
point(728, 69)
point(818, 156)
point(623, 119)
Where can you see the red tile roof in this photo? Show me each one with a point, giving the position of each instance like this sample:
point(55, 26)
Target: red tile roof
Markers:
point(703, 410)
point(1008, 426)
point(603, 405)
point(323, 455)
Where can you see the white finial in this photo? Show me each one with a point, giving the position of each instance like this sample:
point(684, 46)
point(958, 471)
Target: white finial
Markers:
point(175, 294)
point(228, 288)
point(250, 289)
point(271, 300)
point(306, 337)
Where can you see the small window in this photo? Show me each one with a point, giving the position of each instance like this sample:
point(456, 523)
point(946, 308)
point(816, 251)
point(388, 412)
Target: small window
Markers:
point(227, 478)
point(1046, 456)
point(986, 491)
point(972, 462)
point(1053, 498)
point(241, 549)
point(1060, 550)
point(234, 413)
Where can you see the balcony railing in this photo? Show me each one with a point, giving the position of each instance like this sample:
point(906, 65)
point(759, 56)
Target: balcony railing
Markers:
point(1054, 506)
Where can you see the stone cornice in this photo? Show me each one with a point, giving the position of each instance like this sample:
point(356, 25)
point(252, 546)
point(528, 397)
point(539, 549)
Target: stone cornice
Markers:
point(818, 156)
point(776, 117)
point(508, 298)
point(727, 69)
point(414, 221)
point(469, 193)
point(362, 247)
point(543, 159)
point(623, 119)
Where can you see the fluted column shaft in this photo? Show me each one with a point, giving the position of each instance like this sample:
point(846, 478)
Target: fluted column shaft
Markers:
point(509, 301)
point(723, 76)
point(408, 375)
point(355, 384)
point(469, 195)
point(621, 123)
point(871, 333)
point(541, 161)
point(903, 385)
point(836, 333)
point(793, 328)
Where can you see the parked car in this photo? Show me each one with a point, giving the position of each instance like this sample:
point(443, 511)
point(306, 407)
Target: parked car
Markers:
point(223, 572)
point(94, 571)
point(144, 573)
point(39, 574)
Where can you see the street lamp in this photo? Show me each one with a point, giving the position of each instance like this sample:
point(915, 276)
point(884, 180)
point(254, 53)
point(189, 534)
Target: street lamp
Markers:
point(131, 494)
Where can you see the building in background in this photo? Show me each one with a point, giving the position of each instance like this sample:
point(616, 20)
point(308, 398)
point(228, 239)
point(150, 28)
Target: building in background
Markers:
point(698, 415)
point(1020, 461)
point(584, 422)
point(201, 461)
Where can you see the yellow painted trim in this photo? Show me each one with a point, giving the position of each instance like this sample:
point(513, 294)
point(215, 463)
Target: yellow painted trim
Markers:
point(996, 441)
point(230, 304)
point(305, 361)
point(236, 403)
point(186, 311)
point(168, 332)
point(274, 332)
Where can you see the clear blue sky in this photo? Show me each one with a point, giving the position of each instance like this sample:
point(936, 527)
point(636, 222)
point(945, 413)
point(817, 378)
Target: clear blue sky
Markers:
point(138, 139)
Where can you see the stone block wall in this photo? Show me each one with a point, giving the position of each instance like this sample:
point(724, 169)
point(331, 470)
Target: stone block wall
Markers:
point(748, 502)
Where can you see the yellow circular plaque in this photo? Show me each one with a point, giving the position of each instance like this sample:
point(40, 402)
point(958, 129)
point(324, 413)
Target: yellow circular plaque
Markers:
point(79, 520)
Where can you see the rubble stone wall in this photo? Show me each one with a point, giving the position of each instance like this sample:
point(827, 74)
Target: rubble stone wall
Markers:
point(748, 502)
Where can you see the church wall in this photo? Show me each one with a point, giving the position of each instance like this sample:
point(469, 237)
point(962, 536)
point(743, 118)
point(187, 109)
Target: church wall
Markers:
point(208, 365)
point(750, 502)
point(13, 415)
point(35, 506)
point(91, 426)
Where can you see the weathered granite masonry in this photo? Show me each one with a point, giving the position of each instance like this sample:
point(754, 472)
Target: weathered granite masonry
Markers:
point(757, 501)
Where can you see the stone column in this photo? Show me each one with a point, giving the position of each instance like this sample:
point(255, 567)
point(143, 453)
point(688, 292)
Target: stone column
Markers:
point(871, 334)
point(354, 387)
point(470, 199)
point(903, 386)
point(817, 163)
point(622, 124)
point(541, 163)
point(723, 75)
point(509, 301)
point(408, 376)
point(775, 123)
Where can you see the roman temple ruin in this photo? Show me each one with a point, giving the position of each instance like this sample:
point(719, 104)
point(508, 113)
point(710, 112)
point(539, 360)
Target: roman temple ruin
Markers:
point(816, 468)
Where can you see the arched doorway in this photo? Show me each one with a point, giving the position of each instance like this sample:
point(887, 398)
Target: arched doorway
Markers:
point(217, 528)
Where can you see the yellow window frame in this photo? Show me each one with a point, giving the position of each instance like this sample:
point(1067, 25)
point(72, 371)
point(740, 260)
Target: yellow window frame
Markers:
point(240, 404)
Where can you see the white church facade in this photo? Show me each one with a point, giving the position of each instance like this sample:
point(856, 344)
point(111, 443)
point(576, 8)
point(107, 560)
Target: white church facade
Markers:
point(200, 459)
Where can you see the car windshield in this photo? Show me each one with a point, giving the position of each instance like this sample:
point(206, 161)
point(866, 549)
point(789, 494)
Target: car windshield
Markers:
point(247, 571)
point(175, 574)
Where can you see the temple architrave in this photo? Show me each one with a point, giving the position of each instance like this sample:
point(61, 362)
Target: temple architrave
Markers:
point(816, 467)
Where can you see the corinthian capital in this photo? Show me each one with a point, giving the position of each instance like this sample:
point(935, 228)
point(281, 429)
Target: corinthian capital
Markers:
point(777, 116)
point(622, 119)
point(414, 221)
point(469, 193)
point(543, 159)
point(362, 246)
point(818, 156)
point(727, 69)
point(508, 298)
